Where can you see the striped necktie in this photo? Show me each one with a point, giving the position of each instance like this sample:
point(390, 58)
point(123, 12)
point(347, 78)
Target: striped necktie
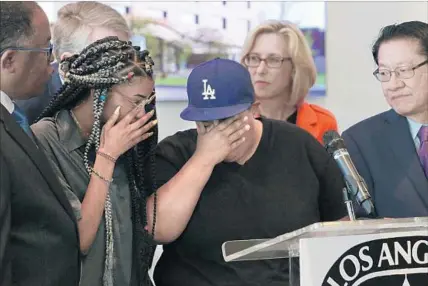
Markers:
point(423, 149)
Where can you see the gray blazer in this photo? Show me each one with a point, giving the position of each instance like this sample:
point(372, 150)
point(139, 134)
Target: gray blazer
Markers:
point(384, 153)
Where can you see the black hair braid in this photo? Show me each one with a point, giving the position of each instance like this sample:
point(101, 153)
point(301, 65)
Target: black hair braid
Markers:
point(144, 246)
point(79, 76)
point(141, 172)
point(99, 47)
point(97, 68)
point(147, 185)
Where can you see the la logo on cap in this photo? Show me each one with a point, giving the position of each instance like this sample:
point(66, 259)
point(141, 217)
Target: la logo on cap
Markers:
point(209, 92)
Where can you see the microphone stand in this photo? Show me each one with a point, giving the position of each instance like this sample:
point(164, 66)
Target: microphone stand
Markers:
point(349, 204)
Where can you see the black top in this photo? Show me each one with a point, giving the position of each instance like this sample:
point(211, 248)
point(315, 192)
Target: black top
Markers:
point(290, 182)
point(293, 118)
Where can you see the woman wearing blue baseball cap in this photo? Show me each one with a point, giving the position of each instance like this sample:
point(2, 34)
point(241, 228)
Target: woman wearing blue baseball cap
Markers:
point(235, 177)
point(282, 70)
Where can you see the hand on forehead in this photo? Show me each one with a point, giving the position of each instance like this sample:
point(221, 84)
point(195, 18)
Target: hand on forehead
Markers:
point(212, 122)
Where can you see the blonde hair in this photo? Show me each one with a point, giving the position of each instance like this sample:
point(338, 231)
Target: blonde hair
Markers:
point(304, 71)
point(76, 21)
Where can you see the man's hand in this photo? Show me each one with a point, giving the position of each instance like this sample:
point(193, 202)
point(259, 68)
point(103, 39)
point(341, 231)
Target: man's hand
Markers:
point(216, 141)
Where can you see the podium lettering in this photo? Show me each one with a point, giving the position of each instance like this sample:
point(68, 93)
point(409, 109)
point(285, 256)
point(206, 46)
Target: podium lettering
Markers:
point(385, 254)
point(394, 261)
point(356, 264)
point(401, 252)
point(365, 258)
point(415, 251)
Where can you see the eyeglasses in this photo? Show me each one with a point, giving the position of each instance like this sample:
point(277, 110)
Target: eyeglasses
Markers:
point(384, 75)
point(275, 62)
point(149, 99)
point(47, 50)
point(147, 103)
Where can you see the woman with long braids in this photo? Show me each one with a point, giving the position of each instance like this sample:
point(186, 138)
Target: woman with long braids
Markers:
point(99, 133)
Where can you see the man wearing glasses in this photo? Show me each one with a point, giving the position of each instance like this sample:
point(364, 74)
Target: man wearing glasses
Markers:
point(390, 150)
point(39, 243)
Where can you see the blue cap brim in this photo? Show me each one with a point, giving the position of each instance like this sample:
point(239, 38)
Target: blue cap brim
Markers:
point(192, 113)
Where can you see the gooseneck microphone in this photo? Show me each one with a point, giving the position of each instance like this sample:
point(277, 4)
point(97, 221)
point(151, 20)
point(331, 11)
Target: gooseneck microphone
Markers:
point(356, 185)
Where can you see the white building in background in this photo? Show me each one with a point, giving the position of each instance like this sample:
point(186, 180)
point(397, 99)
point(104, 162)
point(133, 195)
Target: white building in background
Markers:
point(223, 21)
point(232, 19)
point(227, 22)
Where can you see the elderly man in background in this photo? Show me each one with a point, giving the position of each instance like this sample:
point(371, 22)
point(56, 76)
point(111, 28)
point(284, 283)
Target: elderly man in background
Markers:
point(78, 25)
point(39, 242)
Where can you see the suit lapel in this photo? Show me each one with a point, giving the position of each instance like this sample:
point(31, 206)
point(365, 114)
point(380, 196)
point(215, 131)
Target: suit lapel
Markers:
point(37, 156)
point(403, 148)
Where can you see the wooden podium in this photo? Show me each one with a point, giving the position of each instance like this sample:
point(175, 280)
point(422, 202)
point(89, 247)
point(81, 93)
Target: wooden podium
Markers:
point(378, 252)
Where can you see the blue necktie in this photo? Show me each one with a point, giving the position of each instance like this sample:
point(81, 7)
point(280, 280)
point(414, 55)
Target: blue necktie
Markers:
point(22, 120)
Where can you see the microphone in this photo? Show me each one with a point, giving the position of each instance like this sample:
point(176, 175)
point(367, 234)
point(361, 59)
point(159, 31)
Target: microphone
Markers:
point(356, 185)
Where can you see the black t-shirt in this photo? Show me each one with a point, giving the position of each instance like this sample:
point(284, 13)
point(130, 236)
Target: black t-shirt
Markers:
point(293, 118)
point(290, 182)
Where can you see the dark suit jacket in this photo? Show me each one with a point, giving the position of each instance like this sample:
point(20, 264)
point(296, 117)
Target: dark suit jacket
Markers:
point(39, 243)
point(384, 153)
point(34, 106)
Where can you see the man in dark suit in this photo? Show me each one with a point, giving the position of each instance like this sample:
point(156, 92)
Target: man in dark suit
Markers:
point(390, 150)
point(76, 21)
point(39, 242)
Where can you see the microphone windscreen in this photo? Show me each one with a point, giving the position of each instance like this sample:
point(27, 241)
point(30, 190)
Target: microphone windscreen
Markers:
point(329, 136)
point(332, 141)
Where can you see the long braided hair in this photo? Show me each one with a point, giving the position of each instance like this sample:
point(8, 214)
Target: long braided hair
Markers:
point(99, 67)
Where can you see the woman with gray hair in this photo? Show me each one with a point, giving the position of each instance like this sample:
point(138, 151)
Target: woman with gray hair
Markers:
point(77, 25)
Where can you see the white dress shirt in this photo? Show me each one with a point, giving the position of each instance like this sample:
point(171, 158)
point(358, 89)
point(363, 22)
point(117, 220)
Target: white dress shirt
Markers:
point(7, 102)
point(414, 130)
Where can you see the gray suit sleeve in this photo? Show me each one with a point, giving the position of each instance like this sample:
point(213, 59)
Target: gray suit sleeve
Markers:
point(5, 224)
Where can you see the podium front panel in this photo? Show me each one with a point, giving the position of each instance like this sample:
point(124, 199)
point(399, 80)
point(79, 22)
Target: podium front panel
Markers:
point(287, 245)
point(386, 259)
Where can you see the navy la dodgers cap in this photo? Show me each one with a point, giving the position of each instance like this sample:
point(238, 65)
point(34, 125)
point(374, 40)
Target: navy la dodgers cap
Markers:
point(218, 89)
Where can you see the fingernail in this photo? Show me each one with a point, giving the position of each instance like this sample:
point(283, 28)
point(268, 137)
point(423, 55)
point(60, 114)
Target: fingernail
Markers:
point(149, 134)
point(152, 112)
point(154, 122)
point(245, 118)
point(117, 110)
point(247, 127)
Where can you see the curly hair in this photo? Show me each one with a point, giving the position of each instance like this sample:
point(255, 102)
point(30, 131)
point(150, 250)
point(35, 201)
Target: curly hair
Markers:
point(100, 66)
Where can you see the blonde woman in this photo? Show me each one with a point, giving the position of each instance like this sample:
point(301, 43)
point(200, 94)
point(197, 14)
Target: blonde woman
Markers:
point(282, 71)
